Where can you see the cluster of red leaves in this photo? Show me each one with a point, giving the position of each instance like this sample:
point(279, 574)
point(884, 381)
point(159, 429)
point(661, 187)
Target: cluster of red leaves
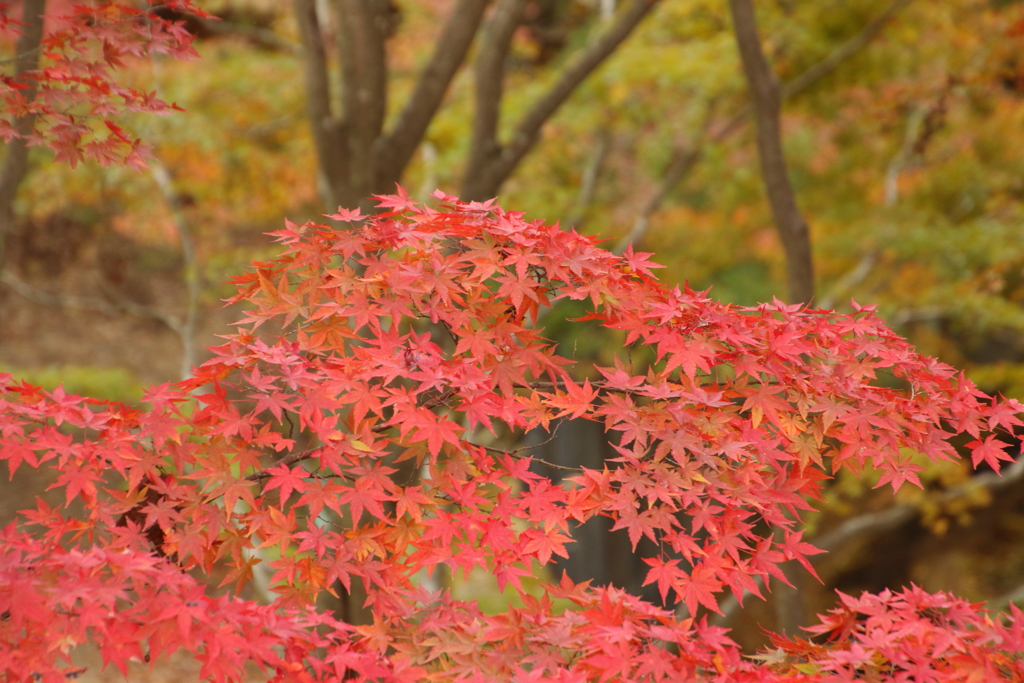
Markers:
point(911, 635)
point(352, 429)
point(72, 98)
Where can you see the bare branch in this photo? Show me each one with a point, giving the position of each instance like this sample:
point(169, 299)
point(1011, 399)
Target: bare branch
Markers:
point(183, 328)
point(90, 304)
point(826, 66)
point(850, 279)
point(1003, 601)
point(54, 300)
point(187, 333)
point(766, 91)
point(328, 131)
point(903, 158)
point(683, 161)
point(923, 314)
point(485, 184)
point(393, 153)
point(261, 37)
point(899, 163)
point(588, 184)
point(429, 183)
point(489, 74)
point(792, 88)
point(20, 55)
point(885, 520)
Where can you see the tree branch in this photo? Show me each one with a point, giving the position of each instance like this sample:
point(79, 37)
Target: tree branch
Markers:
point(485, 184)
point(328, 131)
point(20, 55)
point(766, 92)
point(373, 87)
point(850, 279)
point(588, 184)
point(826, 66)
point(896, 167)
point(348, 62)
point(886, 520)
point(187, 331)
point(393, 152)
point(489, 81)
point(363, 31)
point(792, 88)
point(84, 303)
point(788, 602)
point(261, 37)
point(683, 161)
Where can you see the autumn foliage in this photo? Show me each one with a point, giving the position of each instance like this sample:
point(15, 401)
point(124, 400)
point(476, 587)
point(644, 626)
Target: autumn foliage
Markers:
point(407, 343)
point(70, 100)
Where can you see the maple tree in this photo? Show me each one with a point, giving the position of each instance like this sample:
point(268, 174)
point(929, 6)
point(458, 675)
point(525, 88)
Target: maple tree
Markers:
point(64, 94)
point(410, 338)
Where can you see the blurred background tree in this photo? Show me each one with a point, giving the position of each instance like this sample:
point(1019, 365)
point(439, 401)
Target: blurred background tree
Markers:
point(901, 122)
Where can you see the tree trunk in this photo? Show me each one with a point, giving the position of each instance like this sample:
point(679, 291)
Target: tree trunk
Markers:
point(766, 93)
point(491, 163)
point(15, 164)
point(358, 156)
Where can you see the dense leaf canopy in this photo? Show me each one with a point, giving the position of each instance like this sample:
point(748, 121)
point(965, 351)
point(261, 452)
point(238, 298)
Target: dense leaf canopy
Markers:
point(411, 338)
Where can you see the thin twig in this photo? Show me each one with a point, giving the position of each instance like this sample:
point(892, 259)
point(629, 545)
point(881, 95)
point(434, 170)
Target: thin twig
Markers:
point(84, 303)
point(588, 184)
point(850, 279)
point(561, 468)
point(289, 459)
point(21, 55)
point(1001, 603)
point(826, 66)
point(680, 165)
point(914, 137)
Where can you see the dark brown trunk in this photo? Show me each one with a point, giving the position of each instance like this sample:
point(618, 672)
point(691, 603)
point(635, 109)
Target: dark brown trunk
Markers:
point(15, 164)
point(358, 157)
point(766, 93)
